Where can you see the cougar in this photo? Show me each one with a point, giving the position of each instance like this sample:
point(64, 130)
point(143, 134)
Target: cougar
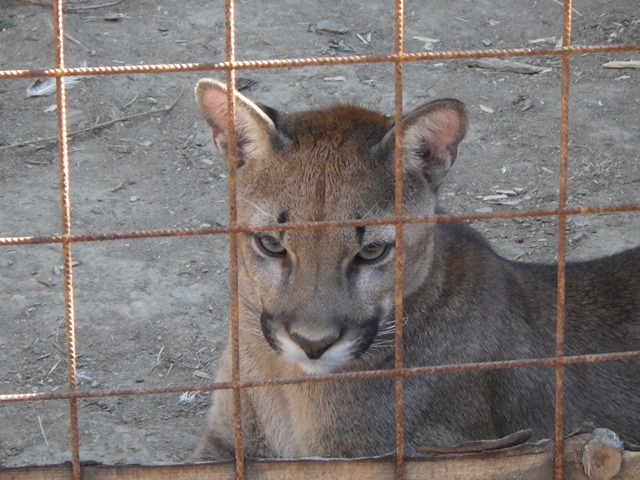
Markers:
point(322, 300)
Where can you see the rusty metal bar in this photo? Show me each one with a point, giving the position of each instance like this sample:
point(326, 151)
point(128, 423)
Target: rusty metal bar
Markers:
point(399, 257)
point(222, 230)
point(316, 61)
point(230, 48)
point(562, 238)
point(65, 216)
point(334, 377)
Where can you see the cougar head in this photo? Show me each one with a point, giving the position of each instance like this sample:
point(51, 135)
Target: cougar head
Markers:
point(326, 296)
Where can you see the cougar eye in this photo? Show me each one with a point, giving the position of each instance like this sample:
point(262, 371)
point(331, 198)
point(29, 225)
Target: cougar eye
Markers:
point(269, 245)
point(373, 252)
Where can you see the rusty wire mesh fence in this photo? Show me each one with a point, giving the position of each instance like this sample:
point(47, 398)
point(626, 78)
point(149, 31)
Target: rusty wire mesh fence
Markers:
point(67, 238)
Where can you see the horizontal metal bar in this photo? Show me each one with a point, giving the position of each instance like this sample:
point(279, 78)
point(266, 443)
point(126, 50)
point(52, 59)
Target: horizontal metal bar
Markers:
point(221, 230)
point(316, 61)
point(335, 377)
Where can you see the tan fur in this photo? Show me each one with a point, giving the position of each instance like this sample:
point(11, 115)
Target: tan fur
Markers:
point(313, 301)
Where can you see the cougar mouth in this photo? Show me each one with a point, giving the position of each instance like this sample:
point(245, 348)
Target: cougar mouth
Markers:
point(324, 355)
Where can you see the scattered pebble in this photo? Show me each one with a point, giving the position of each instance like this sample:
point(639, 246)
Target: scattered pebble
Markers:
point(508, 202)
point(428, 42)
point(133, 198)
point(112, 17)
point(5, 23)
point(486, 109)
point(490, 198)
point(187, 397)
point(484, 210)
point(537, 41)
point(486, 42)
point(334, 79)
point(341, 46)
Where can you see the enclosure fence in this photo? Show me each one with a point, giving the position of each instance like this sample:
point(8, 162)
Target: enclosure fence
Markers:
point(67, 238)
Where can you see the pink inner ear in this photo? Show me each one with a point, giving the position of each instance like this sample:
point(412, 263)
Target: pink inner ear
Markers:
point(451, 132)
point(215, 104)
point(439, 129)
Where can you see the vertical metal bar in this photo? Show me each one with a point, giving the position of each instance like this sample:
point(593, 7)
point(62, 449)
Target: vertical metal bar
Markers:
point(65, 216)
point(562, 224)
point(233, 244)
point(399, 380)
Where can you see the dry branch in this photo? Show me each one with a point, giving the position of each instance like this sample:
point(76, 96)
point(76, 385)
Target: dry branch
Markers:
point(507, 66)
point(74, 9)
point(100, 125)
point(622, 64)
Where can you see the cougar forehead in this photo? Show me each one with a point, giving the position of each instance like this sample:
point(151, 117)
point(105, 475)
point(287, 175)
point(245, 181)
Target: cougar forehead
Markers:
point(326, 170)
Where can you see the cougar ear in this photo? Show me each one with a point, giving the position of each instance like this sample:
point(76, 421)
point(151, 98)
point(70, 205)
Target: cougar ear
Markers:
point(255, 130)
point(432, 133)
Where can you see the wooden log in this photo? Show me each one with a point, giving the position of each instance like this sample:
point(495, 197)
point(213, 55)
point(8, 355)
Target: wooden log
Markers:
point(602, 456)
point(524, 462)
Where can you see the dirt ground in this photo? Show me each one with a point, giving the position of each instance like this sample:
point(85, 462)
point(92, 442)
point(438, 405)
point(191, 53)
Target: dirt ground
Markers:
point(154, 312)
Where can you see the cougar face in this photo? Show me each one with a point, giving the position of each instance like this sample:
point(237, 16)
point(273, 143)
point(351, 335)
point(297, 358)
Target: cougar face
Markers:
point(323, 297)
point(323, 294)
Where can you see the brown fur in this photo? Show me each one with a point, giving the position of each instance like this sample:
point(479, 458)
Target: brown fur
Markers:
point(322, 300)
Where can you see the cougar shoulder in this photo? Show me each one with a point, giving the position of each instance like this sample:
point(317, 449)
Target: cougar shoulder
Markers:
point(321, 300)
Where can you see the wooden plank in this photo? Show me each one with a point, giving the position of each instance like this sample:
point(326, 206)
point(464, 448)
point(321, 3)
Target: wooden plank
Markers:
point(535, 465)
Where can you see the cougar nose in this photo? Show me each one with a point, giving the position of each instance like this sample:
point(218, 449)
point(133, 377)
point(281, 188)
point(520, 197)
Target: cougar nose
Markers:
point(314, 348)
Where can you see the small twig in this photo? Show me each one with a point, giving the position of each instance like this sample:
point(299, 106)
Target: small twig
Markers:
point(158, 357)
point(68, 36)
point(362, 39)
point(207, 362)
point(53, 368)
point(73, 9)
point(77, 42)
point(168, 108)
point(131, 102)
point(42, 431)
point(64, 353)
point(93, 7)
point(33, 2)
point(574, 10)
